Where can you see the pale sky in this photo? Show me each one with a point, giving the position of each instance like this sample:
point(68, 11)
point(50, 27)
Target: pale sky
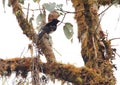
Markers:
point(13, 41)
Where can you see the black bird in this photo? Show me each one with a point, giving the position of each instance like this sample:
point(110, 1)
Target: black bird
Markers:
point(48, 28)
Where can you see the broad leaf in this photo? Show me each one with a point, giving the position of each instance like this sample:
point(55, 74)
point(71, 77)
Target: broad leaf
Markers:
point(40, 18)
point(49, 6)
point(68, 30)
point(59, 6)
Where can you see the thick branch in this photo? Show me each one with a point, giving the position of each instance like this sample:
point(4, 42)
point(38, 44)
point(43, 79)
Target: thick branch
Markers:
point(28, 30)
point(23, 23)
point(78, 76)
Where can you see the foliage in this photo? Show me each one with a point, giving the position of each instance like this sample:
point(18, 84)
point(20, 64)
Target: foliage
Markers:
point(40, 18)
point(51, 7)
point(68, 30)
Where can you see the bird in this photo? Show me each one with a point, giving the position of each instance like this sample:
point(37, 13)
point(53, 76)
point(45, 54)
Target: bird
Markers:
point(48, 28)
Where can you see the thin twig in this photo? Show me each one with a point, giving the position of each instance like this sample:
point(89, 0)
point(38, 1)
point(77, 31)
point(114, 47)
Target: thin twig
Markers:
point(22, 52)
point(98, 24)
point(28, 11)
point(66, 12)
point(62, 19)
point(57, 52)
point(57, 9)
point(32, 9)
point(117, 54)
point(105, 10)
point(113, 39)
point(69, 11)
point(39, 8)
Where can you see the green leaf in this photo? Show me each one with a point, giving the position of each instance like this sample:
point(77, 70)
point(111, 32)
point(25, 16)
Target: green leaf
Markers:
point(49, 6)
point(40, 18)
point(21, 1)
point(68, 30)
point(60, 6)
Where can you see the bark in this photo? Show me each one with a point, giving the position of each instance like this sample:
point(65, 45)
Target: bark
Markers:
point(96, 48)
point(108, 2)
point(43, 45)
point(78, 76)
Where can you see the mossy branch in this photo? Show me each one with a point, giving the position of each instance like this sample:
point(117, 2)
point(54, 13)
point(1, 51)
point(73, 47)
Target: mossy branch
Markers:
point(23, 22)
point(107, 2)
point(67, 72)
point(28, 30)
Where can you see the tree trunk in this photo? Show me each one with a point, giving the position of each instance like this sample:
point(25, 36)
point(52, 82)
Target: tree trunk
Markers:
point(96, 48)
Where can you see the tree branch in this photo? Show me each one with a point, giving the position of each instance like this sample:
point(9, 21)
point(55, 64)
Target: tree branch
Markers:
point(78, 76)
point(108, 2)
point(28, 30)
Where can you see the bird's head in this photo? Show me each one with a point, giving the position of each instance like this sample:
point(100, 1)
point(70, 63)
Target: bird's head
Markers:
point(55, 21)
